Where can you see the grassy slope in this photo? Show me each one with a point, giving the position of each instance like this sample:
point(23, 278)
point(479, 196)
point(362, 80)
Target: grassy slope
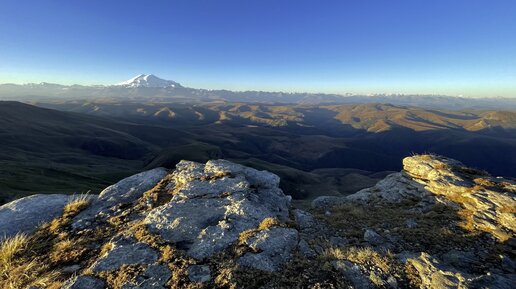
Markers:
point(52, 151)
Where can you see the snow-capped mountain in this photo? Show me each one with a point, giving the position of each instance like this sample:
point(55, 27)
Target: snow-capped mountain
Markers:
point(144, 87)
point(148, 80)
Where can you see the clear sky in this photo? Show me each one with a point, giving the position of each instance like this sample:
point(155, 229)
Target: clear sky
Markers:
point(454, 47)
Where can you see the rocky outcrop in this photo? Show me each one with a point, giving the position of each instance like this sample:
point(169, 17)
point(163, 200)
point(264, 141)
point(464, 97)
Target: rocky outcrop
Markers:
point(213, 204)
point(436, 224)
point(464, 217)
point(490, 202)
point(200, 211)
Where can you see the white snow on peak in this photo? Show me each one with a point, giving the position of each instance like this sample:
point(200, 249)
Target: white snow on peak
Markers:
point(148, 80)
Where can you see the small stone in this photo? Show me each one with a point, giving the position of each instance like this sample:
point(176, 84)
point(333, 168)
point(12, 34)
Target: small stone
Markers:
point(72, 268)
point(304, 219)
point(305, 249)
point(392, 282)
point(319, 249)
point(338, 241)
point(199, 273)
point(353, 274)
point(273, 249)
point(508, 263)
point(325, 202)
point(84, 282)
point(373, 238)
point(411, 223)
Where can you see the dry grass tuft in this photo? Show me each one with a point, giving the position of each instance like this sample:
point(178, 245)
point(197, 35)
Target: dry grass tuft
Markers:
point(37, 260)
point(15, 275)
point(484, 182)
point(158, 195)
point(265, 224)
point(77, 204)
point(268, 223)
point(8, 250)
point(441, 166)
point(413, 278)
point(126, 273)
point(299, 272)
point(426, 157)
point(375, 279)
point(363, 256)
point(67, 250)
point(246, 235)
point(367, 256)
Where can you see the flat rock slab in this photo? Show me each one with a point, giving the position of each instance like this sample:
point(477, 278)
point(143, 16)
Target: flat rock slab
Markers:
point(125, 252)
point(84, 282)
point(26, 214)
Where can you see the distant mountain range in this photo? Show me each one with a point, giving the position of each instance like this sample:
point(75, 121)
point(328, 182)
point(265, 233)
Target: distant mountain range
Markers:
point(148, 80)
point(152, 88)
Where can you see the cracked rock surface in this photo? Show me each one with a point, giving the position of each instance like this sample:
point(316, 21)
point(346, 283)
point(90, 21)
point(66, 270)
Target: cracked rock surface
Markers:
point(435, 224)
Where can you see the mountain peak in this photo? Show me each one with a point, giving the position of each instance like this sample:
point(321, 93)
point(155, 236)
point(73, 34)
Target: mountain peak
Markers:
point(148, 80)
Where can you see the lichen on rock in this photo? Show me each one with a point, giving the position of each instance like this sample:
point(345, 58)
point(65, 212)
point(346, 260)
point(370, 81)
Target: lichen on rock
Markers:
point(436, 224)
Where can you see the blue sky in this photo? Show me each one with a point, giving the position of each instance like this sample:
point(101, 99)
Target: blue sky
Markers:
point(454, 47)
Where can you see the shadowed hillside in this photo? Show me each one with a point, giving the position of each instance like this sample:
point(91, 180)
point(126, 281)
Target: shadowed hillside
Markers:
point(307, 146)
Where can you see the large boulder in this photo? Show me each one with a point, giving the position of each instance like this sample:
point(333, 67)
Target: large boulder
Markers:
point(26, 214)
point(124, 192)
point(213, 204)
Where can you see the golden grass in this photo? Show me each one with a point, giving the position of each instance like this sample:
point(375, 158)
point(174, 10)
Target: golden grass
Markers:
point(29, 273)
point(246, 235)
point(265, 224)
point(67, 250)
point(433, 232)
point(9, 248)
point(441, 166)
point(77, 204)
point(412, 275)
point(158, 195)
point(507, 208)
point(426, 157)
point(375, 279)
point(358, 255)
point(116, 279)
point(36, 260)
point(268, 223)
point(484, 182)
